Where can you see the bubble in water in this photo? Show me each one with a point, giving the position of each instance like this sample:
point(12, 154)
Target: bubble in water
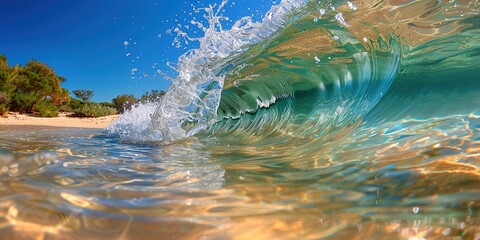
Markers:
point(126, 43)
point(341, 20)
point(352, 6)
point(416, 210)
point(14, 169)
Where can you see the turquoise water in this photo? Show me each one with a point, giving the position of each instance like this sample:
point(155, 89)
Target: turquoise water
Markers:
point(327, 120)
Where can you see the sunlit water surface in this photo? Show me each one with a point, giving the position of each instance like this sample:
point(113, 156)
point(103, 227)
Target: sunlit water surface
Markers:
point(372, 184)
point(328, 120)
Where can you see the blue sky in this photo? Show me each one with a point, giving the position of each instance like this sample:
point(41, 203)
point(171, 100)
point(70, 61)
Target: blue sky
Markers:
point(84, 40)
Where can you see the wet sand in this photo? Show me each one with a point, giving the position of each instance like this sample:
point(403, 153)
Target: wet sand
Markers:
point(15, 120)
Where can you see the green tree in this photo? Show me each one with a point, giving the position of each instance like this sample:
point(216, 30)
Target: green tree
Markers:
point(3, 104)
point(23, 102)
point(38, 82)
point(8, 78)
point(85, 95)
point(153, 96)
point(124, 102)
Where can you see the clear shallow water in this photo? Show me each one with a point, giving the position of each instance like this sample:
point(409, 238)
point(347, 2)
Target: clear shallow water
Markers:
point(329, 120)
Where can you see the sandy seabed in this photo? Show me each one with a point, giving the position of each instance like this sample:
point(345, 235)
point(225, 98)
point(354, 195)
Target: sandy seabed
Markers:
point(18, 120)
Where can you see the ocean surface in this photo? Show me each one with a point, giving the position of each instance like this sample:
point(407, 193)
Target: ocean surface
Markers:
point(324, 120)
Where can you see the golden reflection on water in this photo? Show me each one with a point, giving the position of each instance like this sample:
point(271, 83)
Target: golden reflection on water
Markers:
point(409, 179)
point(420, 186)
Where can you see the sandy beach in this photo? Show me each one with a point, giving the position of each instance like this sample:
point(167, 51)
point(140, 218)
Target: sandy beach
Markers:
point(16, 119)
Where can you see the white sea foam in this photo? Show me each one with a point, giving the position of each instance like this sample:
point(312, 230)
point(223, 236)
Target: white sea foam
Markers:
point(132, 124)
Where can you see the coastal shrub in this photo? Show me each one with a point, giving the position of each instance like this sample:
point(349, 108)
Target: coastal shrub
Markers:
point(75, 103)
point(107, 104)
point(46, 109)
point(124, 102)
point(65, 108)
point(3, 110)
point(93, 110)
point(3, 98)
point(23, 102)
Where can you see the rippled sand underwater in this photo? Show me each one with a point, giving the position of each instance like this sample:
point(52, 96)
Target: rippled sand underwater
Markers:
point(345, 120)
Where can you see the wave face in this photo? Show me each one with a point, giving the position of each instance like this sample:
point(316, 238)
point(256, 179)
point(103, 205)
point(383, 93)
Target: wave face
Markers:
point(314, 70)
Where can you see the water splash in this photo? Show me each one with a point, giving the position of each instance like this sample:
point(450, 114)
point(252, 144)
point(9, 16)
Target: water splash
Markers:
point(191, 103)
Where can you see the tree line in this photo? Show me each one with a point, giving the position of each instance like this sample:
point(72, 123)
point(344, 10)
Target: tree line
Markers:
point(36, 88)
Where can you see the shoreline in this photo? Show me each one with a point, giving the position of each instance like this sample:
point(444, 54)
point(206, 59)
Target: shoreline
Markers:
point(14, 120)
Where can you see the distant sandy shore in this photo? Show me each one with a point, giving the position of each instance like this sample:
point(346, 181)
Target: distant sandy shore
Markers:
point(16, 119)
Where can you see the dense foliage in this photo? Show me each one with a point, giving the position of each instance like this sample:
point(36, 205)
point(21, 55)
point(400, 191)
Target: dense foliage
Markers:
point(8, 79)
point(93, 110)
point(46, 109)
point(124, 102)
point(23, 87)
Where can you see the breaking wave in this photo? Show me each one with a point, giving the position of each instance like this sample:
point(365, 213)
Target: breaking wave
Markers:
point(313, 71)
